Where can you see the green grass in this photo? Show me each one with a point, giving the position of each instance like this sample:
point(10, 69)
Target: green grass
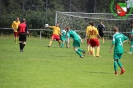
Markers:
point(42, 67)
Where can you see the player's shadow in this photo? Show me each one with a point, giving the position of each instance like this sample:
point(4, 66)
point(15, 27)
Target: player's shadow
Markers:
point(6, 50)
point(51, 47)
point(125, 52)
point(99, 72)
point(61, 56)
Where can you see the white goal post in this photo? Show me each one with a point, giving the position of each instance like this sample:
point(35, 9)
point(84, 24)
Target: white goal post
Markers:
point(79, 21)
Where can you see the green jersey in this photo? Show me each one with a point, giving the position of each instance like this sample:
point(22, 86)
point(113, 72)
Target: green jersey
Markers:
point(73, 35)
point(63, 34)
point(118, 39)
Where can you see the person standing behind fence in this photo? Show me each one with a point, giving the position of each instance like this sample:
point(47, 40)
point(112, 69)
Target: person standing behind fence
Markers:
point(22, 31)
point(118, 40)
point(101, 30)
point(131, 39)
point(15, 25)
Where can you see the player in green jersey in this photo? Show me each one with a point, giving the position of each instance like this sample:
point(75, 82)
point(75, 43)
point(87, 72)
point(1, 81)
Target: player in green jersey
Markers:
point(131, 39)
point(76, 41)
point(63, 38)
point(118, 40)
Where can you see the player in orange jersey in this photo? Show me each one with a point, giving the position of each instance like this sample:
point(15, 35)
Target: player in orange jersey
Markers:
point(15, 25)
point(93, 36)
point(88, 41)
point(55, 35)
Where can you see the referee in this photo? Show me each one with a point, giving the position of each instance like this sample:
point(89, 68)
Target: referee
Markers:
point(22, 30)
point(101, 30)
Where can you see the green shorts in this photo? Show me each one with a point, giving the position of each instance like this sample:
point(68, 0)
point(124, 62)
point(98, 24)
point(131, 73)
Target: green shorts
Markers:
point(117, 55)
point(76, 43)
point(131, 42)
point(63, 39)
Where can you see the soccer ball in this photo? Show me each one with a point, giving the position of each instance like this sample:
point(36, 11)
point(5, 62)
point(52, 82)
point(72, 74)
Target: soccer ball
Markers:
point(46, 25)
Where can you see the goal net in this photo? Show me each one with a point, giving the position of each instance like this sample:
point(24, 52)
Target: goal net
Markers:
point(79, 21)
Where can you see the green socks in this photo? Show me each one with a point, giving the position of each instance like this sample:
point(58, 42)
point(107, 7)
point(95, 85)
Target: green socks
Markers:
point(119, 63)
point(80, 50)
point(131, 49)
point(62, 45)
point(115, 65)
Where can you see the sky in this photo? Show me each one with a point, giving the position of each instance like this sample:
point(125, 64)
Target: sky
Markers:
point(128, 4)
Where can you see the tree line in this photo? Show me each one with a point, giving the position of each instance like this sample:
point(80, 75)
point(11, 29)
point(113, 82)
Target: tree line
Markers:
point(39, 12)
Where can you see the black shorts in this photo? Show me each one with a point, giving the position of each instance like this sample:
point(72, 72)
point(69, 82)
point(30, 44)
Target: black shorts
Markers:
point(101, 34)
point(22, 37)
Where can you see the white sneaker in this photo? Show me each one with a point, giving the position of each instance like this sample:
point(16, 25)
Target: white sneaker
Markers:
point(129, 52)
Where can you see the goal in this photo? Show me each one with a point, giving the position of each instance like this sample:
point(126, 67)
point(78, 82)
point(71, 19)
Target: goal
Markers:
point(79, 21)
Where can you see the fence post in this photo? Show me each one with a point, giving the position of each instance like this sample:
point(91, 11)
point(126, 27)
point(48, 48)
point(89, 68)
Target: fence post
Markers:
point(40, 34)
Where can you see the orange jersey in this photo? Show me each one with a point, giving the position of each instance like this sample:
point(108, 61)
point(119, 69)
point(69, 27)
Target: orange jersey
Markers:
point(56, 30)
point(92, 32)
point(15, 25)
point(87, 30)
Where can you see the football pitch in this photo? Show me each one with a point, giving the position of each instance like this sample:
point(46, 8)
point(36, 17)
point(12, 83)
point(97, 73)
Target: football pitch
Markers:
point(40, 66)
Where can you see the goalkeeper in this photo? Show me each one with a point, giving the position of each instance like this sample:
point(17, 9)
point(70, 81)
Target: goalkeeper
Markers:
point(101, 30)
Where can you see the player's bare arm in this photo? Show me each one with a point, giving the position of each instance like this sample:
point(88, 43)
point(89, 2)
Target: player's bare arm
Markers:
point(111, 48)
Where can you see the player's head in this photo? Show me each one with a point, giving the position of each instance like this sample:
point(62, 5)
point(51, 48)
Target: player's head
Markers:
point(57, 24)
point(23, 20)
point(67, 28)
point(91, 23)
point(17, 19)
point(115, 29)
point(101, 22)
